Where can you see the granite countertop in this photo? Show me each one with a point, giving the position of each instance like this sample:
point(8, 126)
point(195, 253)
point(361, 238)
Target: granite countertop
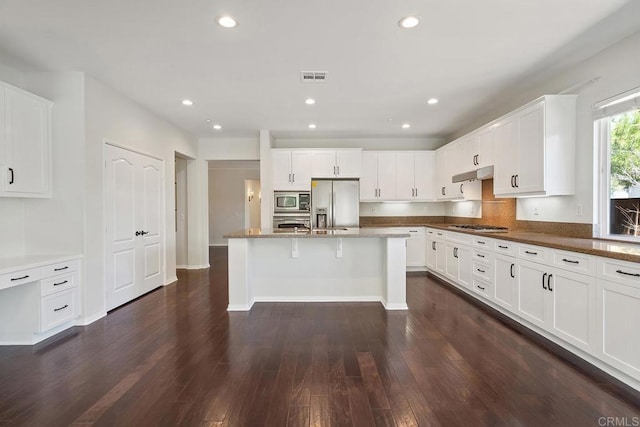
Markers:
point(605, 248)
point(377, 232)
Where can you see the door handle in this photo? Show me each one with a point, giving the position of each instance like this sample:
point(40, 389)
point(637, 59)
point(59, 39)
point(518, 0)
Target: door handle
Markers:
point(455, 252)
point(516, 181)
point(338, 170)
point(627, 274)
point(513, 177)
point(142, 233)
point(544, 285)
point(511, 271)
point(11, 180)
point(138, 233)
point(549, 282)
point(293, 177)
point(461, 190)
point(433, 245)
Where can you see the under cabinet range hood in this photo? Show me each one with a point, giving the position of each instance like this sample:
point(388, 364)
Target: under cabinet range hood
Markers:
point(482, 173)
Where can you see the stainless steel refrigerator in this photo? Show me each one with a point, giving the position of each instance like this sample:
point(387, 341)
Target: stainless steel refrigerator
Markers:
point(335, 203)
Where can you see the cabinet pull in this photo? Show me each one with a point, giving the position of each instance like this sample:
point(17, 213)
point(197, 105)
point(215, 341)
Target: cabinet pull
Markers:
point(413, 231)
point(416, 192)
point(293, 177)
point(512, 178)
point(480, 287)
point(61, 283)
point(511, 271)
point(544, 285)
point(439, 234)
point(433, 245)
point(531, 253)
point(442, 191)
point(549, 282)
point(61, 308)
point(480, 255)
point(570, 261)
point(338, 167)
point(516, 181)
point(20, 278)
point(617, 271)
point(61, 268)
point(481, 271)
point(455, 252)
point(11, 180)
point(480, 242)
point(503, 247)
point(461, 190)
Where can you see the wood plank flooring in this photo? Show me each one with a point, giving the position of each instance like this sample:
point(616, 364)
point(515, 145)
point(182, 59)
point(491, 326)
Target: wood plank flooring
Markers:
point(176, 357)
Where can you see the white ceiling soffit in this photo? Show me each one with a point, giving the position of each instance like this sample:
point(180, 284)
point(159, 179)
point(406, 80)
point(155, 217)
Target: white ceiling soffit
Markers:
point(158, 52)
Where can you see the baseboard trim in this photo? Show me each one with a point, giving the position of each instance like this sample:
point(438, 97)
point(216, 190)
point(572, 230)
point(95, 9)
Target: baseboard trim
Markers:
point(394, 307)
point(84, 321)
point(198, 267)
point(171, 280)
point(181, 267)
point(318, 299)
point(240, 307)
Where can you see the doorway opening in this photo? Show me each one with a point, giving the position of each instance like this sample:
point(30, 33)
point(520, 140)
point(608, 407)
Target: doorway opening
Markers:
point(181, 212)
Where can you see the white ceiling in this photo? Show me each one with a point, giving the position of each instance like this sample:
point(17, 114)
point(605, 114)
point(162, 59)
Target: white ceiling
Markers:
point(161, 51)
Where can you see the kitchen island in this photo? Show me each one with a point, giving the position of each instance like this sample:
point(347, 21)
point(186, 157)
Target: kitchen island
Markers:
point(349, 264)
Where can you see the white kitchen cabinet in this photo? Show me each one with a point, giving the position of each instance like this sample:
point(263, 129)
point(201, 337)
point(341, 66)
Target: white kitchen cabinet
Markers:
point(505, 289)
point(559, 301)
point(416, 247)
point(442, 173)
point(484, 147)
point(415, 175)
point(448, 163)
point(291, 169)
point(534, 149)
point(432, 253)
point(458, 264)
point(378, 181)
point(618, 317)
point(25, 144)
point(342, 163)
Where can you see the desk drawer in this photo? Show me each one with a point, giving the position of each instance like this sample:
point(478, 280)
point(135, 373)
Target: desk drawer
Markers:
point(57, 309)
point(60, 268)
point(19, 277)
point(59, 283)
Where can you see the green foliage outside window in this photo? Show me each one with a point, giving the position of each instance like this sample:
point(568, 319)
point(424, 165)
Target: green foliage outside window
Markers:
point(625, 151)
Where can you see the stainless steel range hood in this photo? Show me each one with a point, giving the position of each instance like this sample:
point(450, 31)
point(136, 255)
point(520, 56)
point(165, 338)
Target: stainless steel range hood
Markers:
point(482, 173)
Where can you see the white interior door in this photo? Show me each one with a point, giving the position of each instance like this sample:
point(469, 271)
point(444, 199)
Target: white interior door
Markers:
point(133, 213)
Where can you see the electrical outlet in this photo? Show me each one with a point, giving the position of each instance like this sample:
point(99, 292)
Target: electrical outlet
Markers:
point(579, 209)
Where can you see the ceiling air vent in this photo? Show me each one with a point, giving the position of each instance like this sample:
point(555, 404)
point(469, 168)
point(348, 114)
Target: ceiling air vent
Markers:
point(313, 76)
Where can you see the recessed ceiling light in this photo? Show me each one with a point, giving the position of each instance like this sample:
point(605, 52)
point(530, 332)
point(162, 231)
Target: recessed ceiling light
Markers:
point(409, 22)
point(406, 126)
point(217, 127)
point(309, 101)
point(432, 101)
point(187, 102)
point(208, 120)
point(227, 21)
point(312, 126)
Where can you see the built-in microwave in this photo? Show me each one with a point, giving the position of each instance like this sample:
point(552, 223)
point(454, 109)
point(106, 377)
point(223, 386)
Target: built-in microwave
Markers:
point(291, 201)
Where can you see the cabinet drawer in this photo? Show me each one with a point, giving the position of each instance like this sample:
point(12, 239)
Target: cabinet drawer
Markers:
point(59, 268)
point(574, 261)
point(59, 283)
point(484, 271)
point(484, 243)
point(484, 257)
point(460, 238)
point(482, 288)
point(506, 248)
point(19, 277)
point(627, 273)
point(533, 253)
point(57, 309)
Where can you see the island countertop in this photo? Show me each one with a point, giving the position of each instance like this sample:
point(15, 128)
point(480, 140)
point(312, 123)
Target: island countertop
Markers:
point(346, 233)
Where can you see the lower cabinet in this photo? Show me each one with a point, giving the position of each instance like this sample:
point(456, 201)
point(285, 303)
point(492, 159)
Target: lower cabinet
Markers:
point(431, 254)
point(505, 289)
point(561, 302)
point(416, 245)
point(458, 264)
point(618, 318)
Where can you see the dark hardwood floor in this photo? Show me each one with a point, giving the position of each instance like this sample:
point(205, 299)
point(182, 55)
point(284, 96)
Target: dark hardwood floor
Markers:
point(176, 357)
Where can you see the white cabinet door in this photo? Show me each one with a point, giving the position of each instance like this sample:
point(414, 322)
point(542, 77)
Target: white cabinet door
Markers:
point(441, 173)
point(27, 145)
point(532, 292)
point(387, 175)
point(505, 157)
point(452, 261)
point(468, 153)
point(416, 248)
point(405, 188)
point(441, 256)
point(323, 164)
point(133, 209)
point(572, 308)
point(465, 266)
point(425, 175)
point(369, 179)
point(431, 254)
point(530, 174)
point(281, 169)
point(349, 163)
point(485, 147)
point(301, 170)
point(618, 317)
point(505, 287)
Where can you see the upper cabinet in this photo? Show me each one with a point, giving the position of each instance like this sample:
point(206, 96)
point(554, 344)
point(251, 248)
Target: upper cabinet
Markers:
point(291, 169)
point(343, 163)
point(448, 163)
point(397, 175)
point(534, 149)
point(25, 144)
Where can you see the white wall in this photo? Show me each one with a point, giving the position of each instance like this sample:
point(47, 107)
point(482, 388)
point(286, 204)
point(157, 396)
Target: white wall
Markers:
point(227, 199)
point(229, 148)
point(112, 116)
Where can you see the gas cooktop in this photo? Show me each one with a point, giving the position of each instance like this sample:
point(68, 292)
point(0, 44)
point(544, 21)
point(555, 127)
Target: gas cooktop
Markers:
point(481, 227)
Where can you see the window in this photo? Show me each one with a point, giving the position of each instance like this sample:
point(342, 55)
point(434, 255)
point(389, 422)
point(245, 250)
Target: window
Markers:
point(617, 130)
